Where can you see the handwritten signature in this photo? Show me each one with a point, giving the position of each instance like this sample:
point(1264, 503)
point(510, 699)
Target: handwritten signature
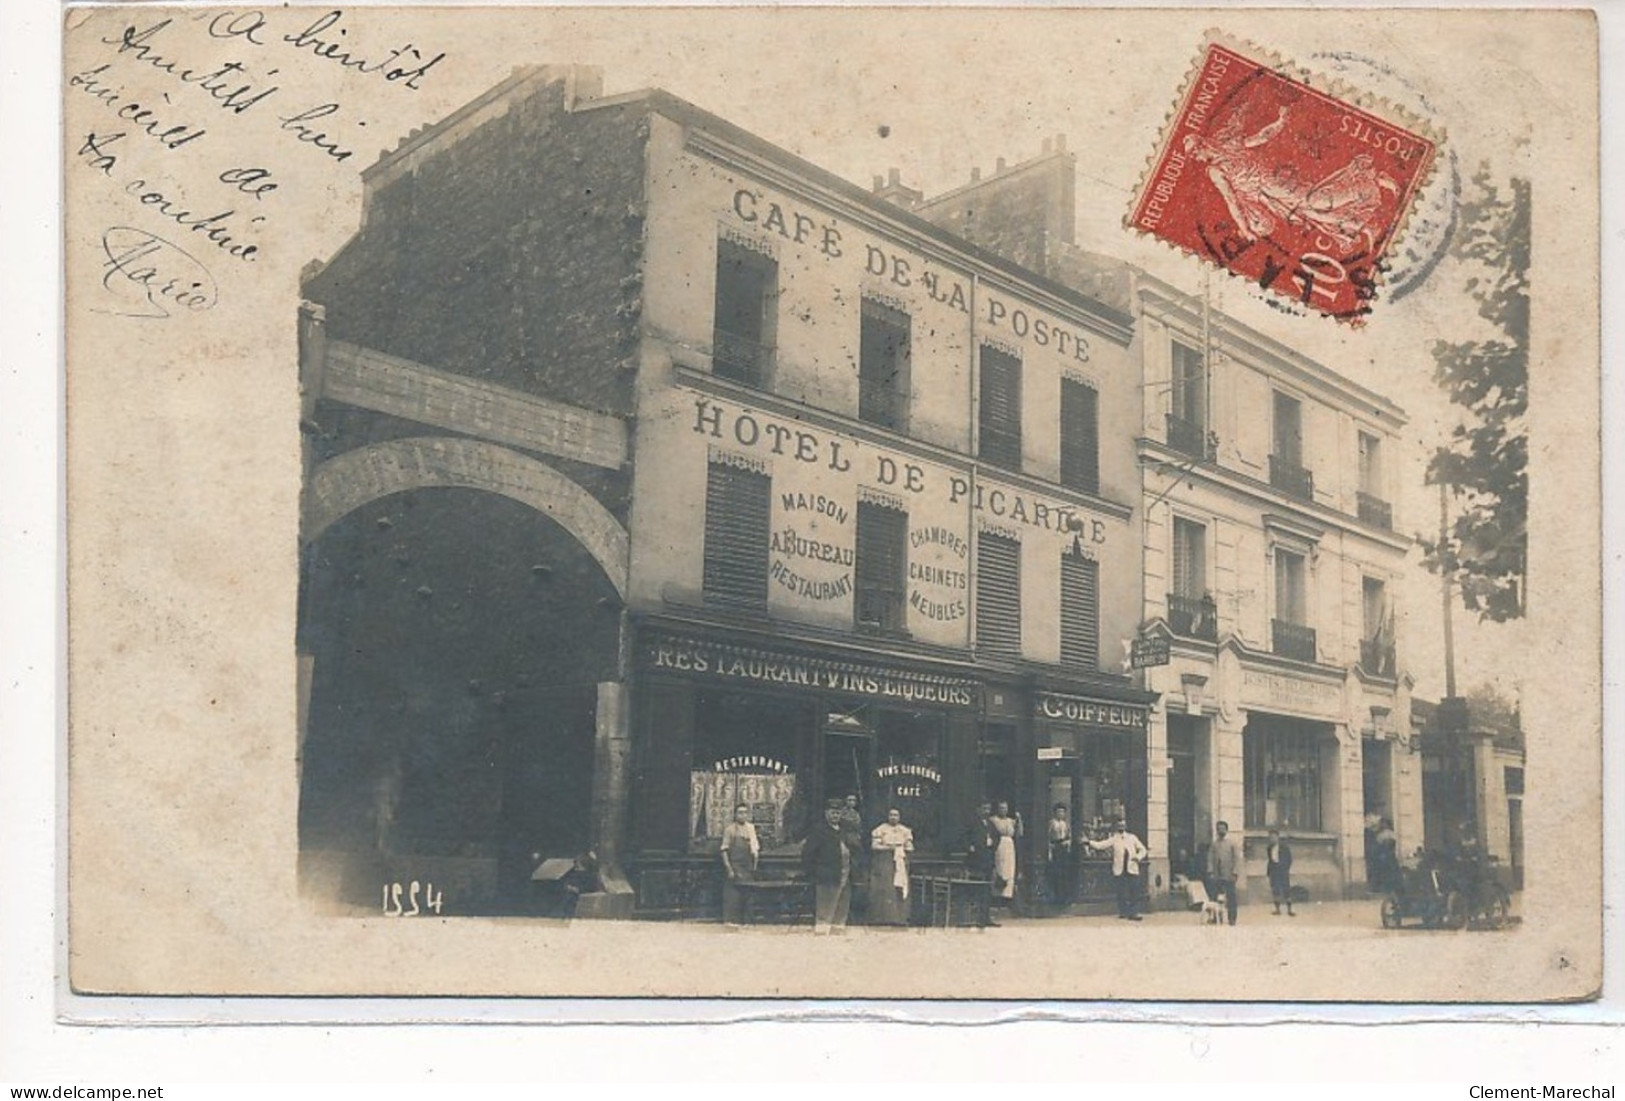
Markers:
point(150, 275)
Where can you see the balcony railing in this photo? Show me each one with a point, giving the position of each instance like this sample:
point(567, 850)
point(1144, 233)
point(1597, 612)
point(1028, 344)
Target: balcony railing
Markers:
point(1291, 478)
point(1292, 640)
point(739, 358)
point(1193, 617)
point(1377, 657)
point(1374, 510)
point(1190, 437)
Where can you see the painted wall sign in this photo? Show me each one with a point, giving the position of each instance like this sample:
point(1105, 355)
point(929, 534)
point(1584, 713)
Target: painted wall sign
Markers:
point(1076, 709)
point(1259, 688)
point(768, 667)
point(810, 563)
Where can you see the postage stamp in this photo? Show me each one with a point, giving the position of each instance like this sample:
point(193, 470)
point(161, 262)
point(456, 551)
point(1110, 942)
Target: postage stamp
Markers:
point(1297, 189)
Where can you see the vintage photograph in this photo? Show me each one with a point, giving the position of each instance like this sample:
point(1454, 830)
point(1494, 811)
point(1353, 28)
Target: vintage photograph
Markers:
point(845, 494)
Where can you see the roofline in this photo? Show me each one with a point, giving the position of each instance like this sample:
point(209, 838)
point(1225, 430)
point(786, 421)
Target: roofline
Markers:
point(1290, 359)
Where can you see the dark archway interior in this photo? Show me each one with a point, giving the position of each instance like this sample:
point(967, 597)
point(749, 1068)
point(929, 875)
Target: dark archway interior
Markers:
point(458, 638)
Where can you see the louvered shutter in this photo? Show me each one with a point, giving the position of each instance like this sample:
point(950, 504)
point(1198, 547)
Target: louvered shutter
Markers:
point(998, 594)
point(881, 566)
point(1080, 612)
point(1000, 408)
point(737, 520)
point(1080, 436)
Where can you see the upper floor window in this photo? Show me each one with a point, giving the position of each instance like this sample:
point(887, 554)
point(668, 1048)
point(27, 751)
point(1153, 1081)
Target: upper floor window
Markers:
point(1187, 402)
point(883, 362)
point(1290, 634)
point(1372, 499)
point(1191, 610)
point(1000, 417)
point(998, 594)
point(1286, 460)
point(746, 314)
point(1080, 436)
point(881, 567)
point(1377, 636)
point(737, 534)
point(1080, 611)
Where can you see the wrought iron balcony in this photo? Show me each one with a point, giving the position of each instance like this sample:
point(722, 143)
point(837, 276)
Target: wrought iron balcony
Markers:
point(1377, 657)
point(1291, 478)
point(1193, 617)
point(1190, 437)
point(1374, 510)
point(739, 357)
point(1292, 640)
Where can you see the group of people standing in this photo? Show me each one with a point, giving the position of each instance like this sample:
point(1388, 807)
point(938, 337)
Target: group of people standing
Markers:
point(833, 857)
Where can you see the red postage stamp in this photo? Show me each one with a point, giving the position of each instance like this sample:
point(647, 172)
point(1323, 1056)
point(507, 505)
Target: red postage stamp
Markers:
point(1281, 183)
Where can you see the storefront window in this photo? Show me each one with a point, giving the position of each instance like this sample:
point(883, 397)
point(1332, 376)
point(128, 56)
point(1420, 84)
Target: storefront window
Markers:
point(748, 749)
point(1283, 764)
point(908, 771)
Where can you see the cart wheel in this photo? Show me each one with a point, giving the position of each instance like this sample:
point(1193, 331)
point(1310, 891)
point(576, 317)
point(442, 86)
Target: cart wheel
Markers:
point(1455, 911)
point(1390, 912)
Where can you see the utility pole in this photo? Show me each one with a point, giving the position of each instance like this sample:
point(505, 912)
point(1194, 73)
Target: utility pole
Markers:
point(1444, 597)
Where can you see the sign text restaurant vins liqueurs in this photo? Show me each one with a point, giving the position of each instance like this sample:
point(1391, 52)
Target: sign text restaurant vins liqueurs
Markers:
point(764, 214)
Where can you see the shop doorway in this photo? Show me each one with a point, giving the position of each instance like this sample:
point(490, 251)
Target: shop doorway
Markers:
point(452, 704)
point(1100, 780)
point(1187, 838)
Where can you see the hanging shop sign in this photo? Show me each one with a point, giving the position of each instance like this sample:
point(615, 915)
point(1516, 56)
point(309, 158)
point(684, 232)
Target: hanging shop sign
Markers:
point(770, 668)
point(1149, 651)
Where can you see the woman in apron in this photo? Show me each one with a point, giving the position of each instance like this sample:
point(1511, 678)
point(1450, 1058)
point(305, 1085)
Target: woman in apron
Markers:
point(891, 842)
point(1004, 829)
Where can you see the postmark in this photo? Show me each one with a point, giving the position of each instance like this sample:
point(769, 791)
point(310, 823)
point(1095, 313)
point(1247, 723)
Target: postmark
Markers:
point(1300, 189)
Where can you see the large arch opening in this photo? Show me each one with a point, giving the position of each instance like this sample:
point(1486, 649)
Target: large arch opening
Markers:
point(455, 640)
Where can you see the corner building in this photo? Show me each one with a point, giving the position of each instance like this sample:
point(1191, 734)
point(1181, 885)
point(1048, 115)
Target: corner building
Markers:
point(1272, 560)
point(791, 495)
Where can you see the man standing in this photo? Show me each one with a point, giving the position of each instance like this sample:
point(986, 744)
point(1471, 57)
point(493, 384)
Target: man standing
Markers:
point(1227, 866)
point(741, 850)
point(1278, 867)
point(1060, 856)
point(1127, 852)
point(827, 859)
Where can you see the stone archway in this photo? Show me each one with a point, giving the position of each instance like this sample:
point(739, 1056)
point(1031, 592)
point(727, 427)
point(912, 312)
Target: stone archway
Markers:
point(352, 479)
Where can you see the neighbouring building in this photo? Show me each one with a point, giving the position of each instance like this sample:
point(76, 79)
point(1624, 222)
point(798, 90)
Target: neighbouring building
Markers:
point(652, 470)
point(1271, 563)
point(1472, 780)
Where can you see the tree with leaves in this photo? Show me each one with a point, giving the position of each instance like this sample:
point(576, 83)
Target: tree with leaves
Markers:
point(1484, 463)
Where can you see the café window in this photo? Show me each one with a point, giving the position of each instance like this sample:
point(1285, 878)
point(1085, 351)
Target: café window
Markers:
point(998, 594)
point(746, 314)
point(883, 366)
point(1080, 611)
point(999, 420)
point(737, 526)
point(749, 749)
point(1080, 436)
point(908, 773)
point(881, 567)
point(1282, 770)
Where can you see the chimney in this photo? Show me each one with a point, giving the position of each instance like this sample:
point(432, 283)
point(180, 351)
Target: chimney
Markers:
point(999, 167)
point(894, 191)
point(975, 175)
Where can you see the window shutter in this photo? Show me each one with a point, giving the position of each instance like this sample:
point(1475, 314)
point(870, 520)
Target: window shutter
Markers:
point(1080, 611)
point(1080, 436)
point(1190, 568)
point(1000, 414)
point(998, 594)
point(737, 522)
point(881, 566)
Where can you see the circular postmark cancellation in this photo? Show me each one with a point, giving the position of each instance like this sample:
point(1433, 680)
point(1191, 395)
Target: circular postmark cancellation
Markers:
point(1300, 189)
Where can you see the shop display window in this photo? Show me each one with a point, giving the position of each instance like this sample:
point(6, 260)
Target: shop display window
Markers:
point(1282, 770)
point(749, 749)
point(908, 772)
